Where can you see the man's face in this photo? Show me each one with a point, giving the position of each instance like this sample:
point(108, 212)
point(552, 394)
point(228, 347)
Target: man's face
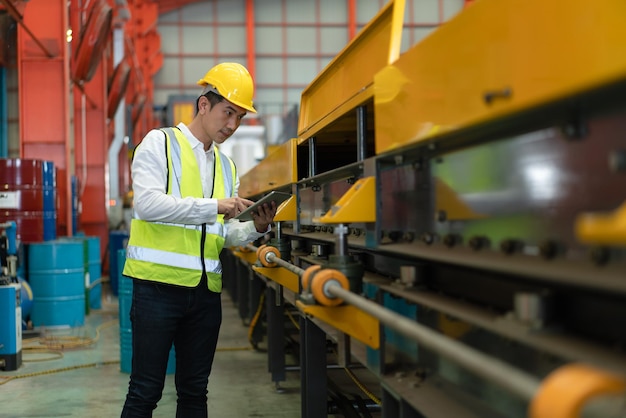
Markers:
point(221, 120)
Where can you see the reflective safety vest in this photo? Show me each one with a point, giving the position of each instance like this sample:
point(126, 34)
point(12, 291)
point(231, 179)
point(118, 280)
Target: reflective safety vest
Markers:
point(178, 254)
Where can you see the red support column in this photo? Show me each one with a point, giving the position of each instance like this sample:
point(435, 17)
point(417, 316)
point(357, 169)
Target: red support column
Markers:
point(44, 95)
point(351, 19)
point(251, 41)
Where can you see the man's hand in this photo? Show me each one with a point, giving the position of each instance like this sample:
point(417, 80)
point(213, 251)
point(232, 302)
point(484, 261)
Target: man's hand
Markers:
point(232, 206)
point(264, 216)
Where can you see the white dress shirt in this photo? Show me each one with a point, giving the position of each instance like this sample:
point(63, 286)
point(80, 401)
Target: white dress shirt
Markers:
point(150, 203)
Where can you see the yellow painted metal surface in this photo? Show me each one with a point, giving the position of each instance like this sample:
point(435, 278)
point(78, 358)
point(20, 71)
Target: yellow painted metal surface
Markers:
point(357, 205)
point(183, 112)
point(348, 319)
point(276, 170)
point(497, 58)
point(353, 69)
point(281, 276)
point(602, 228)
point(287, 211)
point(248, 257)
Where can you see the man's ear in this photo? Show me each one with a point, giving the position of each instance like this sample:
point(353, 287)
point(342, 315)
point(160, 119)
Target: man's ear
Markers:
point(203, 104)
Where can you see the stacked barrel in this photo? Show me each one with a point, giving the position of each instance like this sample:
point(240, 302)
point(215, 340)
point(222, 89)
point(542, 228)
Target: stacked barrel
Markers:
point(56, 273)
point(63, 273)
point(28, 197)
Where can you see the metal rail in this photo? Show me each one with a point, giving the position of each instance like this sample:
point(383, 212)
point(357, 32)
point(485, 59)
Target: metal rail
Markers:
point(508, 377)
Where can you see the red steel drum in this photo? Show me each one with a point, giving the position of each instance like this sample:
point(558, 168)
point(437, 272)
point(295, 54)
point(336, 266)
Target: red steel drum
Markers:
point(22, 189)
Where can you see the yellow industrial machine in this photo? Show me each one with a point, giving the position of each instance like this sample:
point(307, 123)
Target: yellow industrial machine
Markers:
point(458, 220)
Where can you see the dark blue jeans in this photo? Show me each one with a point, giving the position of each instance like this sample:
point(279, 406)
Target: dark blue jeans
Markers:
point(190, 318)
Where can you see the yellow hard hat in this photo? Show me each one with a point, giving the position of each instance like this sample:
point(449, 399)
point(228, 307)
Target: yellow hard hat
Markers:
point(233, 82)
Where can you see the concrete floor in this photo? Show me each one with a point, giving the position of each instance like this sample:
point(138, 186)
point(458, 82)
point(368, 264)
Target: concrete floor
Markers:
point(81, 382)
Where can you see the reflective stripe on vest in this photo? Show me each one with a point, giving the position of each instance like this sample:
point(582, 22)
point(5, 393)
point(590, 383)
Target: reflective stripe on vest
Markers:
point(170, 252)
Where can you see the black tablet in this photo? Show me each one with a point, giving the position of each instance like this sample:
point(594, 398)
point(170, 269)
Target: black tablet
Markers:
point(278, 197)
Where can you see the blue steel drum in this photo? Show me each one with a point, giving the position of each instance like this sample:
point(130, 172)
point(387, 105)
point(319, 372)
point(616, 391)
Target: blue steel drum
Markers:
point(117, 241)
point(49, 186)
point(125, 292)
point(74, 182)
point(93, 268)
point(57, 279)
point(95, 272)
point(81, 239)
point(125, 300)
point(26, 298)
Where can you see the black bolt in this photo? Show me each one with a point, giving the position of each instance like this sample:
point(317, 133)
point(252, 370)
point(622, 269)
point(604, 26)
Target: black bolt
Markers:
point(549, 249)
point(395, 235)
point(617, 161)
point(450, 240)
point(509, 246)
point(600, 255)
point(478, 242)
point(428, 238)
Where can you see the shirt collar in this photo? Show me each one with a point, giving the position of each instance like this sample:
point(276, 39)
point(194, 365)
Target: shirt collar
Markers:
point(193, 141)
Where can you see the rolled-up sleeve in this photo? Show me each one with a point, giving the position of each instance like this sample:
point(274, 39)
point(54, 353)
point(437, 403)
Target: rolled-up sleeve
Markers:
point(241, 233)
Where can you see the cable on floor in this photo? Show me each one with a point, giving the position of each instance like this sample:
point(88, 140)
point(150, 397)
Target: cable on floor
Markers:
point(293, 320)
point(255, 319)
point(55, 354)
point(360, 385)
point(246, 348)
point(68, 342)
point(4, 380)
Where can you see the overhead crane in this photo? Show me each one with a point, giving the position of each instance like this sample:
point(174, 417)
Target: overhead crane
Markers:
point(456, 225)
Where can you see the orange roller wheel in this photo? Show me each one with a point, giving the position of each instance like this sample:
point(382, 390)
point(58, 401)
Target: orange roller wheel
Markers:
point(258, 250)
point(306, 276)
point(321, 280)
point(565, 391)
point(264, 252)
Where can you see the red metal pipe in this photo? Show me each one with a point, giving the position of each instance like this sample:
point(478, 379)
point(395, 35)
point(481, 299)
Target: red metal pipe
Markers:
point(215, 24)
point(351, 19)
point(250, 38)
point(318, 37)
point(181, 70)
point(283, 20)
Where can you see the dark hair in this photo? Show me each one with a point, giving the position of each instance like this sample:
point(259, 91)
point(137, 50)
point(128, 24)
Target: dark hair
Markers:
point(212, 97)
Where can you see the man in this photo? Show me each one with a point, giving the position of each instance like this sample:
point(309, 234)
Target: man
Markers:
point(185, 196)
